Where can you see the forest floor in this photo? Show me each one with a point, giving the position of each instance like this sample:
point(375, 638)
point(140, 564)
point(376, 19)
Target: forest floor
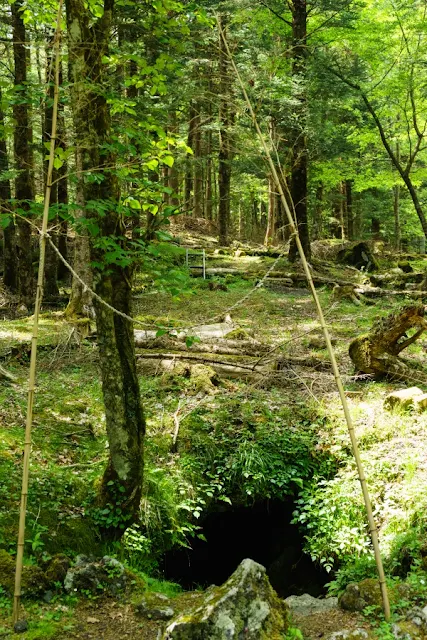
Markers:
point(69, 441)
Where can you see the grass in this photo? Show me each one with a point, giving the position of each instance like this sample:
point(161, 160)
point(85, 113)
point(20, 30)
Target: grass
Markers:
point(69, 449)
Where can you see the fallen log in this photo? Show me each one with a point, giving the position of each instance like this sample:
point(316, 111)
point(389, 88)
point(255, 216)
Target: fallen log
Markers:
point(236, 348)
point(269, 365)
point(378, 291)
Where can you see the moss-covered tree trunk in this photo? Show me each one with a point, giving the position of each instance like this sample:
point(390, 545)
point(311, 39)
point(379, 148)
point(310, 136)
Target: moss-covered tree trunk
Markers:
point(225, 146)
point(10, 259)
point(125, 424)
point(24, 182)
point(51, 264)
point(299, 167)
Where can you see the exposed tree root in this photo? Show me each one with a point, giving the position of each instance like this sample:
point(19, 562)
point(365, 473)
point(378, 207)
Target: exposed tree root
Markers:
point(377, 352)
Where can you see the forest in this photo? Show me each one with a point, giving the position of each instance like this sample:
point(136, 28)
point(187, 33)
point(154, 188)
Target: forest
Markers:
point(213, 279)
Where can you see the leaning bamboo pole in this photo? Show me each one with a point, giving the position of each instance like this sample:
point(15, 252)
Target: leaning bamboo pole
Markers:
point(33, 359)
point(294, 233)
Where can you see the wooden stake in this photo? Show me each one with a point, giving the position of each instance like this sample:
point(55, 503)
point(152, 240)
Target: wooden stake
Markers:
point(294, 231)
point(33, 360)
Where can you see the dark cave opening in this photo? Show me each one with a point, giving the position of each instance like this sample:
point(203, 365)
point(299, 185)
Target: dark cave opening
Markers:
point(262, 532)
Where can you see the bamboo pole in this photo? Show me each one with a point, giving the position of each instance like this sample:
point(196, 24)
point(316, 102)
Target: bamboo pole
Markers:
point(33, 359)
point(294, 231)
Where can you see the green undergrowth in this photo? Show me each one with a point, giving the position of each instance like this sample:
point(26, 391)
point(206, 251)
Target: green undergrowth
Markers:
point(235, 447)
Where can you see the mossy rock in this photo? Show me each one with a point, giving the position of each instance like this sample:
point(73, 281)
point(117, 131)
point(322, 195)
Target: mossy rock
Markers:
point(33, 583)
point(203, 378)
point(238, 334)
point(405, 266)
point(246, 605)
point(57, 568)
point(357, 596)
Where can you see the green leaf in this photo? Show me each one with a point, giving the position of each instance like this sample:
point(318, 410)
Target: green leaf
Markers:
point(168, 160)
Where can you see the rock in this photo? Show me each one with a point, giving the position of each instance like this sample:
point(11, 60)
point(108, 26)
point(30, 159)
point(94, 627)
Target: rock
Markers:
point(350, 634)
point(397, 271)
point(48, 596)
point(33, 579)
point(414, 626)
point(306, 605)
point(405, 266)
point(20, 626)
point(155, 606)
point(244, 606)
point(358, 255)
point(57, 568)
point(107, 576)
point(412, 398)
point(357, 596)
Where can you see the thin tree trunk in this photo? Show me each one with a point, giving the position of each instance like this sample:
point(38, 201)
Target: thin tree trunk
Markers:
point(349, 208)
point(188, 197)
point(62, 187)
point(225, 153)
point(10, 258)
point(271, 215)
point(396, 206)
point(198, 168)
point(24, 182)
point(299, 137)
point(173, 174)
point(51, 260)
point(343, 211)
point(125, 424)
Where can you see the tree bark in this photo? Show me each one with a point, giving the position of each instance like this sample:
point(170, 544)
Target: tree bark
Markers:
point(63, 272)
point(51, 261)
point(349, 208)
point(24, 182)
point(299, 137)
point(121, 485)
point(189, 169)
point(10, 258)
point(225, 152)
point(198, 168)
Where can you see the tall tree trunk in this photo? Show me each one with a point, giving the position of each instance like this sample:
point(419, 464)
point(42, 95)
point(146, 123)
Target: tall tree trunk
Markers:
point(189, 164)
point(225, 148)
point(198, 167)
point(343, 211)
point(299, 137)
point(62, 195)
point(349, 208)
point(173, 174)
point(10, 258)
point(396, 206)
point(271, 215)
point(51, 260)
point(24, 182)
point(121, 485)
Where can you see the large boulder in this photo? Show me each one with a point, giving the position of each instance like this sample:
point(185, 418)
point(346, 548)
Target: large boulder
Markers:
point(357, 596)
point(358, 255)
point(307, 605)
point(91, 576)
point(244, 606)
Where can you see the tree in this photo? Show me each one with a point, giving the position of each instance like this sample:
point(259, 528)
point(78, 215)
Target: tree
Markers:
point(24, 182)
point(88, 44)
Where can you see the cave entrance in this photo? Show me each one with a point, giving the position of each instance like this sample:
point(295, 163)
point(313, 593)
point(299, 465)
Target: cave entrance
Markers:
point(262, 532)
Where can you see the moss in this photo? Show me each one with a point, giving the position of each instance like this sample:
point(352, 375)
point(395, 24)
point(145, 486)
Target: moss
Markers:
point(203, 378)
point(78, 536)
point(57, 568)
point(238, 334)
point(33, 578)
